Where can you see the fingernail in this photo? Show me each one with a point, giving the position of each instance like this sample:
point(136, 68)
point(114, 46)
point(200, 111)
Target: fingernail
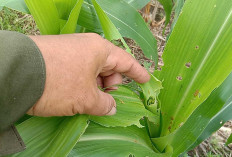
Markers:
point(111, 89)
point(112, 112)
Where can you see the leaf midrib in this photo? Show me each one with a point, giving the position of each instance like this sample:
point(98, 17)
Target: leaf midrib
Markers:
point(113, 137)
point(193, 79)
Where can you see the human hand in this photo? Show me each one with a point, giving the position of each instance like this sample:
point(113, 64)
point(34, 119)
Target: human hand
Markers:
point(76, 64)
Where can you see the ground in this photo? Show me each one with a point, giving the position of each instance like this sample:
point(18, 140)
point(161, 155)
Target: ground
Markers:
point(212, 147)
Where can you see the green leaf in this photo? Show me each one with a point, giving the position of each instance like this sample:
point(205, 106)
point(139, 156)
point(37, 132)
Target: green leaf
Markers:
point(151, 91)
point(130, 24)
point(215, 123)
point(69, 132)
point(150, 94)
point(22, 119)
point(110, 31)
point(51, 136)
point(88, 18)
point(64, 7)
point(71, 24)
point(193, 59)
point(138, 4)
point(211, 116)
point(130, 110)
point(229, 140)
point(99, 141)
point(18, 5)
point(167, 4)
point(45, 15)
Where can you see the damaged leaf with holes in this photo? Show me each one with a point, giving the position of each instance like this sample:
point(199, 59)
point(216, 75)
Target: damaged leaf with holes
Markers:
point(181, 105)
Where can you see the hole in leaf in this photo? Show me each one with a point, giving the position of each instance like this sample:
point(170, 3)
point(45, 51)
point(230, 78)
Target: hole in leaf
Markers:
point(188, 65)
point(196, 93)
point(179, 78)
point(159, 68)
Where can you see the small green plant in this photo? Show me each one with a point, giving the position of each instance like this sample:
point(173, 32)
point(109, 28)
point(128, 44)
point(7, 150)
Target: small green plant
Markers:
point(229, 140)
point(157, 119)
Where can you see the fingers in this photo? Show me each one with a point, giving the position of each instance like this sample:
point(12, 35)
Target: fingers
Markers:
point(104, 104)
point(107, 103)
point(122, 62)
point(112, 80)
point(118, 60)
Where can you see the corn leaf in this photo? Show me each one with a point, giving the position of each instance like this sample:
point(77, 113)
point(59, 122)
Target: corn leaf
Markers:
point(51, 136)
point(206, 119)
point(45, 15)
point(150, 92)
point(100, 141)
point(64, 7)
point(167, 4)
point(130, 110)
point(211, 118)
point(215, 123)
point(197, 59)
point(71, 23)
point(229, 140)
point(88, 18)
point(18, 5)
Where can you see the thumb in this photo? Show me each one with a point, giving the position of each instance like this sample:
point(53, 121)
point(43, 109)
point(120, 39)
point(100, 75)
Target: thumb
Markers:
point(106, 104)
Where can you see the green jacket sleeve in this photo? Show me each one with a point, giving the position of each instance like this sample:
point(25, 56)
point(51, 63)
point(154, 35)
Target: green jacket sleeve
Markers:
point(22, 77)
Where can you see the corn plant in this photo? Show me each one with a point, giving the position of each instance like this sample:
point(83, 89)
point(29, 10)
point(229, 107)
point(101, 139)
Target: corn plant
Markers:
point(182, 104)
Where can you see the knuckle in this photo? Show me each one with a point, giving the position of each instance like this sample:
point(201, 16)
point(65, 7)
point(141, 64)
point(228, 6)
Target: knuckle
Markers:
point(95, 36)
point(130, 67)
point(99, 43)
